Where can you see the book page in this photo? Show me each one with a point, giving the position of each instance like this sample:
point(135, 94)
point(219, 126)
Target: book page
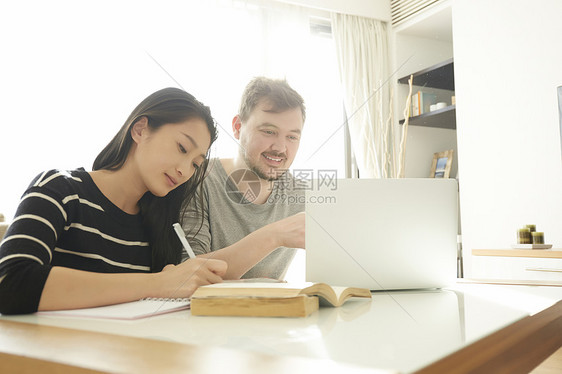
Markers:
point(342, 294)
point(251, 289)
point(338, 291)
point(255, 280)
point(330, 294)
point(127, 311)
point(258, 284)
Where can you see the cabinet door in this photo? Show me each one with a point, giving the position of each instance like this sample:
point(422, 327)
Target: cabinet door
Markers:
point(517, 268)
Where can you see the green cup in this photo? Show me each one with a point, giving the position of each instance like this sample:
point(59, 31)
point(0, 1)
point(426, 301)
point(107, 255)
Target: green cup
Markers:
point(537, 237)
point(524, 236)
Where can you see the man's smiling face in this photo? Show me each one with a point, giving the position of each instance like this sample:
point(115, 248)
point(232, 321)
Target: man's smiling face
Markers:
point(269, 141)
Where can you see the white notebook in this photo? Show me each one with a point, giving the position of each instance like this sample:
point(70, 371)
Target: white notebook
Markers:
point(128, 311)
point(143, 308)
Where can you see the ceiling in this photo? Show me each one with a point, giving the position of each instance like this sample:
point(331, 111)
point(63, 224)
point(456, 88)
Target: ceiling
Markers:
point(437, 25)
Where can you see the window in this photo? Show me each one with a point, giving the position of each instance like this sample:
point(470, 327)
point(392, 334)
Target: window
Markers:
point(72, 72)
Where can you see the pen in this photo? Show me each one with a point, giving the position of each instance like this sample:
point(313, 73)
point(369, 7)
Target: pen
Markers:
point(181, 235)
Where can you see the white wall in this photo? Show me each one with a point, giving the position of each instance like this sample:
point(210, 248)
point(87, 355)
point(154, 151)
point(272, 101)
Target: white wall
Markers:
point(507, 67)
point(422, 143)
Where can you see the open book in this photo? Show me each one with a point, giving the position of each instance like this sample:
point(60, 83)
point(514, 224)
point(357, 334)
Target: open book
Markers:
point(269, 299)
point(132, 310)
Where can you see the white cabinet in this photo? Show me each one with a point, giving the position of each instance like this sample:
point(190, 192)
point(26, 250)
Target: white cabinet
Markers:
point(536, 265)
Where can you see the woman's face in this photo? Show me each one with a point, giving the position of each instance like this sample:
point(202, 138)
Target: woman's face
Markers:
point(168, 156)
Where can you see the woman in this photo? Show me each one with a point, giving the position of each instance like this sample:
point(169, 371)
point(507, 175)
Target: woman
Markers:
point(82, 239)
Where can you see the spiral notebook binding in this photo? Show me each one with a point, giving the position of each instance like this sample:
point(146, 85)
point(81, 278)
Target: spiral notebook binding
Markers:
point(166, 299)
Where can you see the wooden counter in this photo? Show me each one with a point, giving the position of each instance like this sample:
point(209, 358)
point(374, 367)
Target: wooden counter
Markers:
point(539, 253)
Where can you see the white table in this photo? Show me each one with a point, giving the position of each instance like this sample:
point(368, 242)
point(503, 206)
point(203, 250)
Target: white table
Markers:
point(403, 331)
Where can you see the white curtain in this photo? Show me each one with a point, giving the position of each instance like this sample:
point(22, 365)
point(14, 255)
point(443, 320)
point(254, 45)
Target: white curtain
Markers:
point(283, 30)
point(362, 50)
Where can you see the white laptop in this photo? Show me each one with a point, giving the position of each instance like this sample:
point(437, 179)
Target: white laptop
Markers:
point(382, 234)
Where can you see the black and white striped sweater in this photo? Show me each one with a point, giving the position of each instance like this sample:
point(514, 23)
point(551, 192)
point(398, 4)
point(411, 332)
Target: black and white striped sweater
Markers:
point(63, 219)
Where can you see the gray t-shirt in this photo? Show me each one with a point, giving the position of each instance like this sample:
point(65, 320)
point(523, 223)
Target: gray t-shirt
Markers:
point(229, 216)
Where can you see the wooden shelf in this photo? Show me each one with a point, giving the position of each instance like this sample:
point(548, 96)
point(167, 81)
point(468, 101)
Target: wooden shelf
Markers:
point(541, 253)
point(437, 76)
point(444, 118)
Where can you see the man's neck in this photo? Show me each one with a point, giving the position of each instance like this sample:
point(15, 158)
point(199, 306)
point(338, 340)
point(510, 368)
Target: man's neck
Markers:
point(232, 164)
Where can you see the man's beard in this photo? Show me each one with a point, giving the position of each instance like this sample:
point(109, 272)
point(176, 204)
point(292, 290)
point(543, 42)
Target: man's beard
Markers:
point(253, 167)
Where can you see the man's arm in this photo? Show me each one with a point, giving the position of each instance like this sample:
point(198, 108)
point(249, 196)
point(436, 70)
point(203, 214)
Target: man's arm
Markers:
point(247, 252)
point(196, 225)
point(244, 254)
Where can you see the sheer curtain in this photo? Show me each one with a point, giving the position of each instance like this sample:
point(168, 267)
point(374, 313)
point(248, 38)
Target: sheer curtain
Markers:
point(285, 48)
point(362, 50)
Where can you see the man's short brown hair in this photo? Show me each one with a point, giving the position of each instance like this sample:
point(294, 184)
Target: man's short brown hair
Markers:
point(277, 92)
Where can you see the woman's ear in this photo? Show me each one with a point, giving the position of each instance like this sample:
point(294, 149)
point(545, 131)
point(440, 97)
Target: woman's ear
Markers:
point(138, 128)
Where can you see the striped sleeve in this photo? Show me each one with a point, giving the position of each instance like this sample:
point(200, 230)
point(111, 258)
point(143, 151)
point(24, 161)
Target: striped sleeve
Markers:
point(63, 219)
point(27, 249)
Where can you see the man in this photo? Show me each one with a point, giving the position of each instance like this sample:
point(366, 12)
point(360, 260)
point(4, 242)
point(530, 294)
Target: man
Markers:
point(251, 203)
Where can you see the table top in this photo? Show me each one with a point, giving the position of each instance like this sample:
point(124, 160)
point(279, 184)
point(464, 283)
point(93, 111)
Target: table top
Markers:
point(401, 330)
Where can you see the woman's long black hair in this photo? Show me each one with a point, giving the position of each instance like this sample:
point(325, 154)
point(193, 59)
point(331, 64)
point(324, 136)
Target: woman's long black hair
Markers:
point(166, 106)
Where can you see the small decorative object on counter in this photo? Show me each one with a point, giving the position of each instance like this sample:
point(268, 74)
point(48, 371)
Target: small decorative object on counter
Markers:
point(529, 238)
point(524, 236)
point(537, 237)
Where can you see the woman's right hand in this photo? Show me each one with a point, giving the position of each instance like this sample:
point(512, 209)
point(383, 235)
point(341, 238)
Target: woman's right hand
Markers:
point(183, 279)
